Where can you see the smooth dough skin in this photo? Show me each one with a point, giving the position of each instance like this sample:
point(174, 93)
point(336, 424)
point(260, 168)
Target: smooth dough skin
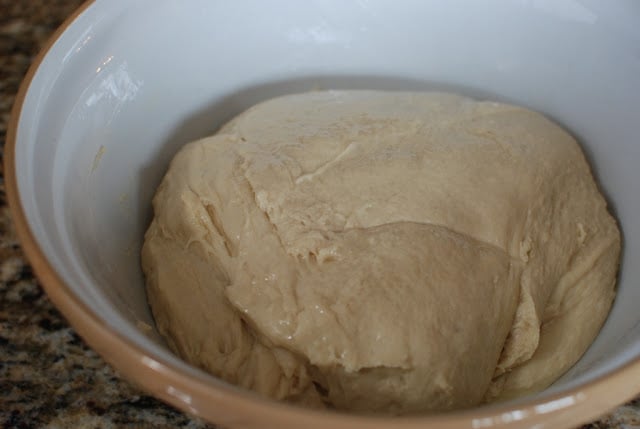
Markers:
point(382, 252)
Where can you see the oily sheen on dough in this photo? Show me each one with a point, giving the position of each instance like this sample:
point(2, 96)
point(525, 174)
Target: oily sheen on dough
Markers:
point(386, 252)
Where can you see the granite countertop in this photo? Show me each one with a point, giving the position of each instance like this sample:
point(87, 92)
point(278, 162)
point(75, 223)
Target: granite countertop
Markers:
point(48, 376)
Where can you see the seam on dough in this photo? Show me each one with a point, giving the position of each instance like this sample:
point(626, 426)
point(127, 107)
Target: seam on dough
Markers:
point(274, 228)
point(275, 231)
point(515, 261)
point(324, 167)
point(243, 176)
point(215, 221)
point(581, 271)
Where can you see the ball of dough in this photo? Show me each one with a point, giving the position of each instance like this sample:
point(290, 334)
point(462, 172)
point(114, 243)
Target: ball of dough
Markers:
point(385, 252)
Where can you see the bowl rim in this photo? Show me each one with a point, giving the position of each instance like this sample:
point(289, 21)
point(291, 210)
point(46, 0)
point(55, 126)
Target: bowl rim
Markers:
point(575, 406)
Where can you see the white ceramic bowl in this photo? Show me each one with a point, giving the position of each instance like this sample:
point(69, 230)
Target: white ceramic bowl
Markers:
point(128, 82)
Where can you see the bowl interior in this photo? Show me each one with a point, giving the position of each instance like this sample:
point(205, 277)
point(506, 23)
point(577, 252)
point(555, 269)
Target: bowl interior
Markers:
point(130, 82)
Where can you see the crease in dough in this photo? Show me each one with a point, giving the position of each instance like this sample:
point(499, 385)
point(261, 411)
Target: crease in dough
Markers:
point(382, 252)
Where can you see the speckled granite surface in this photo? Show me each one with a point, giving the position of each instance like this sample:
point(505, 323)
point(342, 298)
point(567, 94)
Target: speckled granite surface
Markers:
point(48, 376)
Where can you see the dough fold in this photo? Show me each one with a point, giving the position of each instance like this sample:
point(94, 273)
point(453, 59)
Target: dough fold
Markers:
point(386, 252)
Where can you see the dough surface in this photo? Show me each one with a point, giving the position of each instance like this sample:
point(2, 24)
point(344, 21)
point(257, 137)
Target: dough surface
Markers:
point(385, 252)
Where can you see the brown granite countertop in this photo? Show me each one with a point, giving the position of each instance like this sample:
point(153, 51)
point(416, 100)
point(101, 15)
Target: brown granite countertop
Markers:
point(48, 376)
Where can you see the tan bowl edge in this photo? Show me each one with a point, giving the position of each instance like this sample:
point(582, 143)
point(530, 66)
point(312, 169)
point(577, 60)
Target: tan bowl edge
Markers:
point(577, 406)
